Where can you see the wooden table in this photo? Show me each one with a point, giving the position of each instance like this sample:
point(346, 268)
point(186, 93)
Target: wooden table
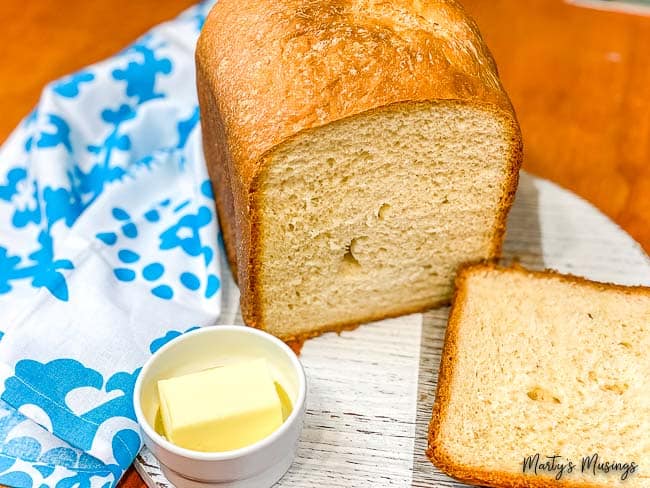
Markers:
point(579, 80)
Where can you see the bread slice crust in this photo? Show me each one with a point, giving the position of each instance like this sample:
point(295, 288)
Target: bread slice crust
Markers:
point(435, 451)
point(248, 111)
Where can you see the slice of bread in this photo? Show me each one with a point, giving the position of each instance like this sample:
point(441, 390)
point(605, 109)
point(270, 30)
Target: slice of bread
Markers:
point(541, 363)
point(359, 153)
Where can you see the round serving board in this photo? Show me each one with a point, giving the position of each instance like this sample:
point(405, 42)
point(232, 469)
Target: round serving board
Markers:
point(371, 390)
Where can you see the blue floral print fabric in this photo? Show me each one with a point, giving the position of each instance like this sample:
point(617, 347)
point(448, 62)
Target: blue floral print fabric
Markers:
point(108, 250)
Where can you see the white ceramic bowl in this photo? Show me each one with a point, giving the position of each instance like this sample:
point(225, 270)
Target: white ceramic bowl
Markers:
point(256, 466)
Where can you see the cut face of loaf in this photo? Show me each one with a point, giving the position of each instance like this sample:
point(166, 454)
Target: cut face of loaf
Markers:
point(543, 363)
point(359, 152)
point(370, 216)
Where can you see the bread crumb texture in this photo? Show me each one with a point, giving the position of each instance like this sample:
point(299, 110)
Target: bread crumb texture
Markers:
point(373, 214)
point(540, 363)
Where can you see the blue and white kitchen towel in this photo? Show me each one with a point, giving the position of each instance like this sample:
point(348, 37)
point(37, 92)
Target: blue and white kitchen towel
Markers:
point(108, 249)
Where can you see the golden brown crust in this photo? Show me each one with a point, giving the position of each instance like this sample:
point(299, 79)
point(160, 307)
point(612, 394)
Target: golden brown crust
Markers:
point(216, 151)
point(435, 450)
point(268, 70)
point(277, 67)
point(509, 189)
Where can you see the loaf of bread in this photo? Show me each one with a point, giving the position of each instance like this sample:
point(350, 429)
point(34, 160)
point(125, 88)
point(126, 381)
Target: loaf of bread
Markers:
point(536, 365)
point(359, 151)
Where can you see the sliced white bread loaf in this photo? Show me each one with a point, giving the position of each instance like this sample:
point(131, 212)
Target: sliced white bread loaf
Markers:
point(359, 152)
point(541, 363)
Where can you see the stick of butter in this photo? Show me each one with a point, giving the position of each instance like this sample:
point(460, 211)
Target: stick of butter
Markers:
point(220, 409)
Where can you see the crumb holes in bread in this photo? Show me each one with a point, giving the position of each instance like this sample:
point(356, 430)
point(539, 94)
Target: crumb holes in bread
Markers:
point(539, 394)
point(428, 268)
point(383, 211)
point(618, 388)
point(349, 262)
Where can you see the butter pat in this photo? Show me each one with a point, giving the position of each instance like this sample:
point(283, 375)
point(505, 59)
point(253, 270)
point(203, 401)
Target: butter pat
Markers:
point(220, 409)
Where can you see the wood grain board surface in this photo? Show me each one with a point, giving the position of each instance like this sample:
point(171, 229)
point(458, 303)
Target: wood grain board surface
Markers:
point(579, 80)
point(371, 390)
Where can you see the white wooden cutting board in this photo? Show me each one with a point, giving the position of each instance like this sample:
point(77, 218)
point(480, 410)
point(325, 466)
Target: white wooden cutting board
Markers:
point(371, 390)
